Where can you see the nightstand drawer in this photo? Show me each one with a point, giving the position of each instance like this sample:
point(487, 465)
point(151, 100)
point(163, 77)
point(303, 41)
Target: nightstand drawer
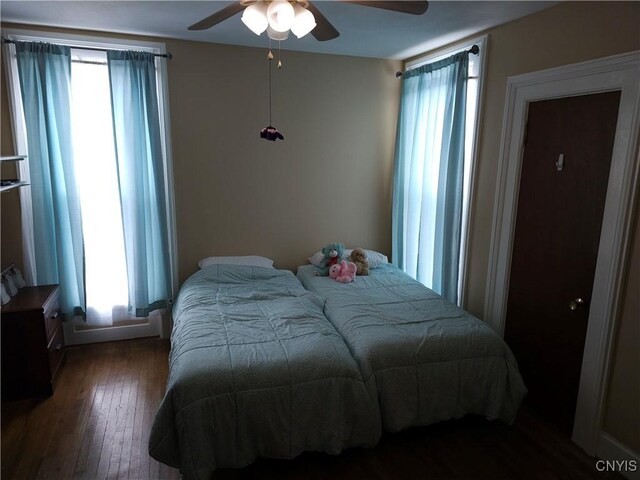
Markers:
point(56, 352)
point(52, 321)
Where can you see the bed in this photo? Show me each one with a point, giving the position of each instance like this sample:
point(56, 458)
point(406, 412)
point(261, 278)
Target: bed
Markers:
point(256, 370)
point(427, 359)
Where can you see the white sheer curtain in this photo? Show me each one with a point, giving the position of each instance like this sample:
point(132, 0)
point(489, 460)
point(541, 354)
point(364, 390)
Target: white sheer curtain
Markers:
point(93, 143)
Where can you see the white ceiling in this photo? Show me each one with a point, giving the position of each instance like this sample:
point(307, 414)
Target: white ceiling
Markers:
point(364, 31)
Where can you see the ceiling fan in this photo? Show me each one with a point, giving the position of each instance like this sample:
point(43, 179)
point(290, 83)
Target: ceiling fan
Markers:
point(277, 17)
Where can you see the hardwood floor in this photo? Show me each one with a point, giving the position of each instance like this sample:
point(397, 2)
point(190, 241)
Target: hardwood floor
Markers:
point(97, 423)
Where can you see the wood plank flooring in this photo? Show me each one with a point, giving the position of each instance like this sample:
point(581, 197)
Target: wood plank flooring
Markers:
point(97, 423)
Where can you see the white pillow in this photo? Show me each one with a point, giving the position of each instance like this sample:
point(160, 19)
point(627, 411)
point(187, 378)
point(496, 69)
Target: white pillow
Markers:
point(316, 258)
point(375, 259)
point(251, 260)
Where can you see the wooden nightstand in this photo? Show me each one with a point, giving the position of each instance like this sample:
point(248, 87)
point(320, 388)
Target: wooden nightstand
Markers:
point(32, 343)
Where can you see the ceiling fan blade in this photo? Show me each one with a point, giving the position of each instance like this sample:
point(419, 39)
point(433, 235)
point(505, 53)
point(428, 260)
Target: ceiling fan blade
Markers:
point(218, 17)
point(413, 7)
point(323, 30)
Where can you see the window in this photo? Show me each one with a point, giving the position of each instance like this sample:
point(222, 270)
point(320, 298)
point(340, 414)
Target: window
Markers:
point(421, 232)
point(94, 155)
point(97, 175)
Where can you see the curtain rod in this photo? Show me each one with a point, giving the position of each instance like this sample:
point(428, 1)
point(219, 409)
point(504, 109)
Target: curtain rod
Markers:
point(475, 49)
point(167, 55)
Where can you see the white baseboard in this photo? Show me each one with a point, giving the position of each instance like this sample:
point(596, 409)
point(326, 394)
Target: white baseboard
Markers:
point(74, 334)
point(621, 458)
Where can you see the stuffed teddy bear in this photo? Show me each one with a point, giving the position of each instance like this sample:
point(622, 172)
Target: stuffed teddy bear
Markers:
point(343, 272)
point(359, 257)
point(332, 255)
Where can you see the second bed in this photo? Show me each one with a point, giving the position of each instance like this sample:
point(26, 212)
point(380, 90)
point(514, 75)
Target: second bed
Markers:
point(427, 359)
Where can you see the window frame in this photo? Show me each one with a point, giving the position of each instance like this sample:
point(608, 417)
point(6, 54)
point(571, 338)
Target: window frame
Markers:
point(19, 129)
point(468, 209)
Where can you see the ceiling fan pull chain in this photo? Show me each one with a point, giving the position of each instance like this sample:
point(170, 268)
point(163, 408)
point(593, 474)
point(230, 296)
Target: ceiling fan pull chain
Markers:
point(279, 62)
point(270, 56)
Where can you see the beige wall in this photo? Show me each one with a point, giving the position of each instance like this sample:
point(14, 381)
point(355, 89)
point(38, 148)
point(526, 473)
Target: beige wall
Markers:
point(329, 180)
point(568, 33)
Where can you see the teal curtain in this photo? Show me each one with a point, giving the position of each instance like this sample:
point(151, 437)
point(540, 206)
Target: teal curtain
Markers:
point(45, 73)
point(428, 174)
point(136, 124)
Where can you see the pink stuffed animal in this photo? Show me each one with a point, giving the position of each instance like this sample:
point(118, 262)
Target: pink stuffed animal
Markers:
point(343, 272)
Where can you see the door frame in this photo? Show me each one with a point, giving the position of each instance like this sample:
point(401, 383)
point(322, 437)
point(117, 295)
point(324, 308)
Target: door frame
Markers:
point(619, 72)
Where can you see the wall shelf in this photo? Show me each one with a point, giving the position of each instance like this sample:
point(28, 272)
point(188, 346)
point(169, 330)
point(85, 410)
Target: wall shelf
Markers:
point(12, 158)
point(17, 183)
point(6, 188)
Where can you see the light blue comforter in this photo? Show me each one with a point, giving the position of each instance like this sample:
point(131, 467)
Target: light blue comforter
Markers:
point(428, 359)
point(256, 370)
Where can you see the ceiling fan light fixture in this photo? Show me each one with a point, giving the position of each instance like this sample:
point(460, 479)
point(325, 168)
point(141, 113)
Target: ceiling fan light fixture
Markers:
point(255, 17)
point(304, 21)
point(280, 15)
point(275, 35)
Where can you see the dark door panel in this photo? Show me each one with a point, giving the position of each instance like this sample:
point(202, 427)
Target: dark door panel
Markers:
point(563, 185)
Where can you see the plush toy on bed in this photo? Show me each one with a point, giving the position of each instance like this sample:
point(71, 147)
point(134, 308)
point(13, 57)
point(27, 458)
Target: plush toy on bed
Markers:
point(343, 272)
point(332, 255)
point(359, 257)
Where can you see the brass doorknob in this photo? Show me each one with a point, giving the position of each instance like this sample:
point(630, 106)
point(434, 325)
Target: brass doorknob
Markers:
point(576, 304)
